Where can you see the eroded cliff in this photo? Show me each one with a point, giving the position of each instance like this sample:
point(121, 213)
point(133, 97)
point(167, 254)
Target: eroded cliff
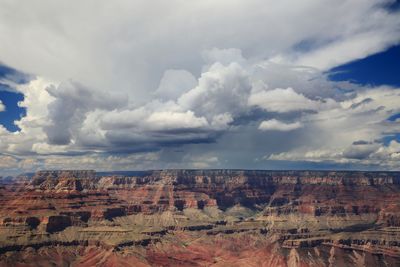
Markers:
point(202, 217)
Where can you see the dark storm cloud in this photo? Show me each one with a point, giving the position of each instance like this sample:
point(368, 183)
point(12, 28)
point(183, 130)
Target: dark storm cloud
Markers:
point(67, 112)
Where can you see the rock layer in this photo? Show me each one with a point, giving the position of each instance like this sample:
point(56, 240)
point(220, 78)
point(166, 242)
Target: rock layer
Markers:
point(201, 217)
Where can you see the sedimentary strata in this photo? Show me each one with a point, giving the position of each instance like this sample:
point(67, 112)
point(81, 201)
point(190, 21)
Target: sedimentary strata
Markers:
point(201, 217)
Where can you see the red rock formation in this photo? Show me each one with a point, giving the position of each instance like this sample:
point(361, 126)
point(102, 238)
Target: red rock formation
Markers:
point(203, 217)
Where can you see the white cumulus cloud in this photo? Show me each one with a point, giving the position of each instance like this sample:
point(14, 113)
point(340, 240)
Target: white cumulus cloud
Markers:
point(2, 107)
point(275, 125)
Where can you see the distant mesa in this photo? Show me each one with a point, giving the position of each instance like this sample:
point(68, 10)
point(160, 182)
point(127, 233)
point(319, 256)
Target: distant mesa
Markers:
point(66, 173)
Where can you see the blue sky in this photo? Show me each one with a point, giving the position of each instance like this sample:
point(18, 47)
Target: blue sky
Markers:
point(12, 111)
point(10, 100)
point(379, 69)
point(250, 84)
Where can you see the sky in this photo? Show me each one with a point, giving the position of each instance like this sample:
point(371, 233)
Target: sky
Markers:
point(244, 84)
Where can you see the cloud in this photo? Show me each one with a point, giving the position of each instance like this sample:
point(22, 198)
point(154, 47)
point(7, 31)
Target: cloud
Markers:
point(356, 46)
point(383, 157)
point(221, 89)
point(101, 162)
point(284, 100)
point(2, 107)
point(232, 101)
point(36, 99)
point(202, 161)
point(224, 56)
point(166, 121)
point(350, 132)
point(8, 162)
point(72, 102)
point(130, 44)
point(275, 125)
point(360, 151)
point(174, 83)
point(140, 161)
point(131, 82)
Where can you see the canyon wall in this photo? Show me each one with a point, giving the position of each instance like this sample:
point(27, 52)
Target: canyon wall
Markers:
point(201, 217)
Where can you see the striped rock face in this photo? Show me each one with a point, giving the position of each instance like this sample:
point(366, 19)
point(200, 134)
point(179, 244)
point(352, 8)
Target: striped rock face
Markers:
point(201, 217)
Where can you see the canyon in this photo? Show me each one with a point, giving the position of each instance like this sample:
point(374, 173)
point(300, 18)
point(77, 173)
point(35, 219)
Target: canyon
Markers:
point(200, 218)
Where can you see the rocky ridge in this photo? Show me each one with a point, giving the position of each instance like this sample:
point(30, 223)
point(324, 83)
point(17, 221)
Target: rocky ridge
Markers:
point(202, 217)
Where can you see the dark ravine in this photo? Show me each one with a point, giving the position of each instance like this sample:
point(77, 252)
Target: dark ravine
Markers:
point(202, 217)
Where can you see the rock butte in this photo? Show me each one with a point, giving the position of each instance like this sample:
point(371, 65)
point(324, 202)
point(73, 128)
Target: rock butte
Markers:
point(201, 218)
